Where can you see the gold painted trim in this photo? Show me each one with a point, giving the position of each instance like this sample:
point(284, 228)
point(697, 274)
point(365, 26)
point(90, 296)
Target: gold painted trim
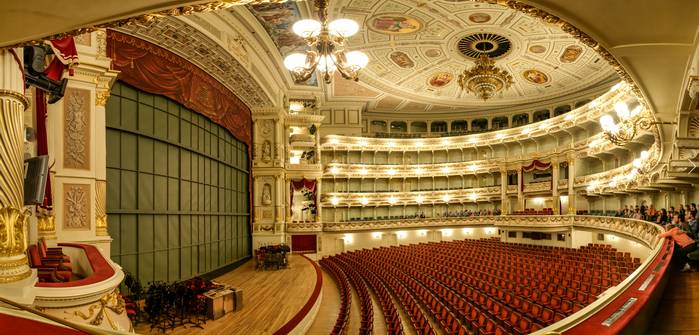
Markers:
point(19, 96)
point(573, 31)
point(12, 265)
point(146, 18)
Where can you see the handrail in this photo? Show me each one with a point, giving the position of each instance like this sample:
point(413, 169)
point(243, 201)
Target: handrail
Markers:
point(37, 312)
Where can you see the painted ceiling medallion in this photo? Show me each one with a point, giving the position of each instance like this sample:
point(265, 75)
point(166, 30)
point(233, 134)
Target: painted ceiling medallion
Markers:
point(535, 76)
point(402, 59)
point(479, 18)
point(394, 24)
point(432, 53)
point(537, 49)
point(571, 54)
point(441, 79)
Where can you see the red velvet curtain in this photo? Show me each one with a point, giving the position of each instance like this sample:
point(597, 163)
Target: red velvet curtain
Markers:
point(155, 70)
point(303, 244)
point(297, 185)
point(42, 147)
point(536, 165)
point(65, 49)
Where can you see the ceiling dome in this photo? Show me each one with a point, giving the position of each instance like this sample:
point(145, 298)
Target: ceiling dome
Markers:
point(417, 52)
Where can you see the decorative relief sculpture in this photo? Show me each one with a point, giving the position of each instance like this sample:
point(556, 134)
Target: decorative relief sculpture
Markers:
point(46, 223)
point(99, 311)
point(267, 127)
point(76, 206)
point(76, 129)
point(267, 194)
point(266, 151)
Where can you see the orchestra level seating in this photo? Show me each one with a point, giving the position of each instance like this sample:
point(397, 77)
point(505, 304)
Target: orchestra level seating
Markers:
point(476, 286)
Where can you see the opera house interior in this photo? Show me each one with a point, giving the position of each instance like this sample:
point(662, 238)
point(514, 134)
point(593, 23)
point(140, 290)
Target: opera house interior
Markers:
point(466, 167)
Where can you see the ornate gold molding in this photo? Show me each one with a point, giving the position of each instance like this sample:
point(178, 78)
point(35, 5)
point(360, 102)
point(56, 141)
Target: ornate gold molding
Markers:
point(573, 31)
point(101, 98)
point(146, 18)
point(46, 224)
point(19, 96)
point(109, 302)
point(101, 208)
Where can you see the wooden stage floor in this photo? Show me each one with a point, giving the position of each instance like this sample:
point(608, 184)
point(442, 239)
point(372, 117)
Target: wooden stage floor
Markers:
point(270, 299)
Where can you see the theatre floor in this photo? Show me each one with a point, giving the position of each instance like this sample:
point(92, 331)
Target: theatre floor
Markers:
point(678, 312)
point(271, 298)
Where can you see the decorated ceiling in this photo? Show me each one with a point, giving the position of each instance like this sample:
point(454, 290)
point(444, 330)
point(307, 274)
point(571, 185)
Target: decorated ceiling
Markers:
point(417, 49)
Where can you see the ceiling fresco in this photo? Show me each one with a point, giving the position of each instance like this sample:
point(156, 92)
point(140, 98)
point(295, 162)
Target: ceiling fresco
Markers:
point(417, 51)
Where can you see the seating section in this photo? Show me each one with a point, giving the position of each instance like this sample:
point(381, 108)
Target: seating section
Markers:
point(482, 286)
point(51, 264)
point(532, 211)
point(343, 286)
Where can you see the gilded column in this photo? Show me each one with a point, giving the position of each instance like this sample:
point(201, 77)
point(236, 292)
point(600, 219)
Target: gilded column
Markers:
point(318, 205)
point(571, 184)
point(520, 193)
point(504, 208)
point(13, 218)
point(554, 186)
point(101, 208)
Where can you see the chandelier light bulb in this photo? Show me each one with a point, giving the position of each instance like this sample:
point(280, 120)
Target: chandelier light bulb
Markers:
point(637, 163)
point(473, 197)
point(326, 64)
point(446, 198)
point(363, 171)
point(343, 27)
point(364, 201)
point(391, 172)
point(622, 110)
point(295, 61)
point(419, 199)
point(306, 28)
point(607, 122)
point(334, 170)
point(357, 59)
point(636, 111)
point(645, 154)
point(392, 200)
point(419, 171)
point(334, 201)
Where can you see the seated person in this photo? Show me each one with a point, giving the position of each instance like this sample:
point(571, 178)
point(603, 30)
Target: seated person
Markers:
point(684, 246)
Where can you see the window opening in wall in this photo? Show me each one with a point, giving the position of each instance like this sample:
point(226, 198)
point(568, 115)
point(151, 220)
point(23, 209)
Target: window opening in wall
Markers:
point(500, 123)
point(541, 115)
point(561, 237)
point(600, 237)
point(512, 234)
point(520, 120)
point(561, 110)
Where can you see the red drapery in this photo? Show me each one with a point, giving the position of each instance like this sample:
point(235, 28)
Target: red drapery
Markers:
point(536, 165)
point(303, 243)
point(65, 50)
point(42, 147)
point(297, 185)
point(155, 70)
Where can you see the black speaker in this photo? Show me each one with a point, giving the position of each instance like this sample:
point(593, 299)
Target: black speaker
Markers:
point(36, 173)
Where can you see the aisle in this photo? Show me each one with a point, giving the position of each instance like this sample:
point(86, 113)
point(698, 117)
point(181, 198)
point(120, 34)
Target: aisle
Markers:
point(282, 291)
point(329, 307)
point(677, 313)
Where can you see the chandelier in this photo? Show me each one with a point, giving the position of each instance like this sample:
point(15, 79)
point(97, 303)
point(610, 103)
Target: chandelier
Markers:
point(485, 79)
point(326, 52)
point(630, 122)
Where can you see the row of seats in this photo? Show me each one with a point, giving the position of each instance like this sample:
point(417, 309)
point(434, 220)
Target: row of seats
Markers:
point(487, 286)
point(345, 295)
point(366, 309)
point(532, 211)
point(52, 265)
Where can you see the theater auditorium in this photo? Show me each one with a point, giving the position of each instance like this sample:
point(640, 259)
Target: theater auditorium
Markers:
point(343, 167)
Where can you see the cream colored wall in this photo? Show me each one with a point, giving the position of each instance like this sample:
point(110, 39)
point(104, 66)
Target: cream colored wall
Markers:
point(334, 243)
